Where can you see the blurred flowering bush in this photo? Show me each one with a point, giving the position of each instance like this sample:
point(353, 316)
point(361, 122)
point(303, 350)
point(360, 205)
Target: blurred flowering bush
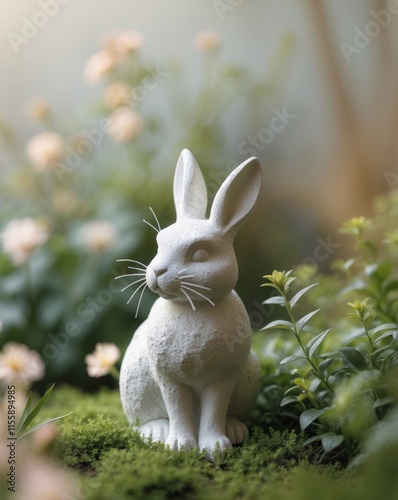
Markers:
point(74, 196)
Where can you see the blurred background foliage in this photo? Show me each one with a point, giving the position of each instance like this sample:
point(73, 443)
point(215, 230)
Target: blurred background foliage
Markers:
point(88, 179)
point(117, 139)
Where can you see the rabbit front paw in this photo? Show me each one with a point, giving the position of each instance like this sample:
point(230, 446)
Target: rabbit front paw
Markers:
point(214, 442)
point(157, 429)
point(176, 442)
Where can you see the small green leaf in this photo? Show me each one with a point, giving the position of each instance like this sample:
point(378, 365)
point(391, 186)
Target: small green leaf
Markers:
point(311, 440)
point(44, 423)
point(386, 334)
point(289, 399)
point(284, 325)
point(25, 413)
point(290, 359)
point(280, 301)
point(304, 320)
point(308, 416)
point(34, 412)
point(382, 402)
point(386, 327)
point(331, 441)
point(314, 343)
point(299, 294)
point(354, 358)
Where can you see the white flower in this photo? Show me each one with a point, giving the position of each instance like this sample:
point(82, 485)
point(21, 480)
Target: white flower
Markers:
point(21, 237)
point(98, 66)
point(126, 125)
point(19, 364)
point(102, 360)
point(206, 41)
point(38, 109)
point(117, 94)
point(44, 150)
point(98, 235)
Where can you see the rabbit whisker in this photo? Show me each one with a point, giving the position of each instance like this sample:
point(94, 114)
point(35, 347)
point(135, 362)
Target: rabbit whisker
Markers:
point(139, 301)
point(194, 285)
point(131, 284)
point(125, 275)
point(136, 268)
point(130, 260)
point(156, 219)
point(151, 225)
point(189, 298)
point(186, 277)
point(142, 285)
point(198, 293)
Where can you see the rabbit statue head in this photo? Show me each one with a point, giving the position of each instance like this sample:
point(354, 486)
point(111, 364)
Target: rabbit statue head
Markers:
point(196, 260)
point(189, 378)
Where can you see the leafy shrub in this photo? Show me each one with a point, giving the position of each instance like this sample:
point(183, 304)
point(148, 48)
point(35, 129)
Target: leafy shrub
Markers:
point(343, 381)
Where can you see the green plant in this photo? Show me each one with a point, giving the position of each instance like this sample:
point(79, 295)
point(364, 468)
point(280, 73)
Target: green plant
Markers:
point(343, 377)
point(29, 414)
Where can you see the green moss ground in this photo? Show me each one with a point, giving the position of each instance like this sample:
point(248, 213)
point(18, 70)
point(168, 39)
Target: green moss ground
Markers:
point(113, 462)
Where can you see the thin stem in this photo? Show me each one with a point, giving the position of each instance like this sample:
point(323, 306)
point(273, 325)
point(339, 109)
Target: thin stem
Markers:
point(297, 335)
point(114, 372)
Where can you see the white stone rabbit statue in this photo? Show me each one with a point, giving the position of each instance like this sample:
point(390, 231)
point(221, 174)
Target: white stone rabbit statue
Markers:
point(188, 376)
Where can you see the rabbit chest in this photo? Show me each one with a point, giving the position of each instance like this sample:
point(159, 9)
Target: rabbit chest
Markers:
point(198, 345)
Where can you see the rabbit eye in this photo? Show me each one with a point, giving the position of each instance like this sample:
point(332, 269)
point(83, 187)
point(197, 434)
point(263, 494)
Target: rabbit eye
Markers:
point(200, 255)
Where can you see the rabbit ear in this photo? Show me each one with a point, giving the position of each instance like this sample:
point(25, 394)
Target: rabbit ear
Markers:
point(237, 197)
point(190, 193)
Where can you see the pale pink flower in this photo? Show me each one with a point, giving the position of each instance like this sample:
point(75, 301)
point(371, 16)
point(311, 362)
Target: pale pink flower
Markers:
point(98, 235)
point(38, 109)
point(206, 41)
point(19, 364)
point(123, 43)
point(21, 237)
point(117, 94)
point(45, 150)
point(43, 438)
point(98, 66)
point(40, 479)
point(102, 360)
point(126, 125)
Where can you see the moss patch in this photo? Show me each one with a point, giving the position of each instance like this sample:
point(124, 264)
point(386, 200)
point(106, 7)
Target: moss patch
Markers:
point(112, 461)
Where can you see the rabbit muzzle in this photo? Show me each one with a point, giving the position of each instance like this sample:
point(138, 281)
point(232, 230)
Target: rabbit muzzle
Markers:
point(152, 279)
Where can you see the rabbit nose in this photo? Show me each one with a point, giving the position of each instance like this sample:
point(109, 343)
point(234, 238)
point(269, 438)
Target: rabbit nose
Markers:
point(159, 271)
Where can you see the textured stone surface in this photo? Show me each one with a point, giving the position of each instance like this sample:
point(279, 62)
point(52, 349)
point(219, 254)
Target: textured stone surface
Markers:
point(188, 377)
